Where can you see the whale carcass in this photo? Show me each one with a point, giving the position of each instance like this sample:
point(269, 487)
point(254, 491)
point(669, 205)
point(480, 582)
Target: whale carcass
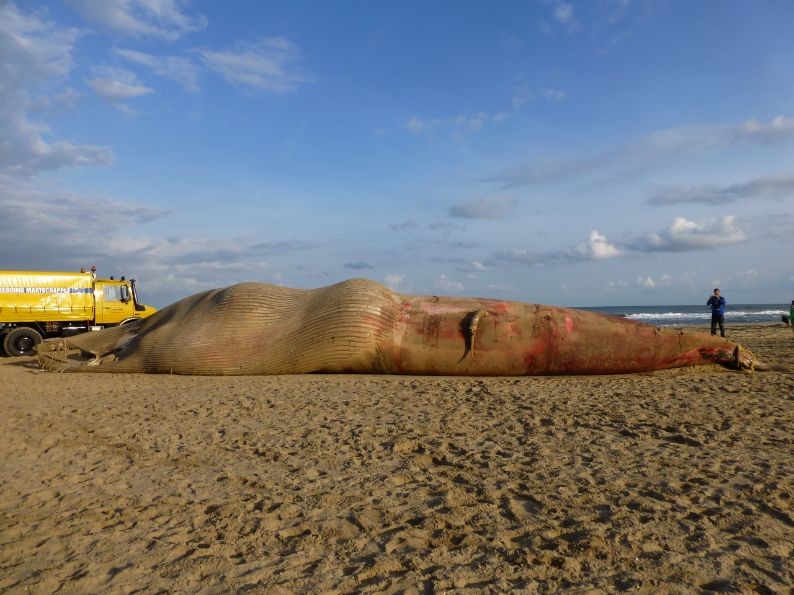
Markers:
point(359, 326)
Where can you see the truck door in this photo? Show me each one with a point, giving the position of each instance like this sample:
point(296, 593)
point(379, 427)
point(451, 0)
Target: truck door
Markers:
point(110, 309)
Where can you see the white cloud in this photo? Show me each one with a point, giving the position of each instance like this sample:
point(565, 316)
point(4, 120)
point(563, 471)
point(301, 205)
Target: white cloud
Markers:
point(489, 207)
point(270, 64)
point(684, 234)
point(778, 129)
point(35, 59)
point(647, 151)
point(162, 19)
point(35, 51)
point(478, 266)
point(47, 228)
point(116, 84)
point(646, 282)
point(681, 235)
point(35, 204)
point(61, 222)
point(597, 247)
point(448, 285)
point(179, 69)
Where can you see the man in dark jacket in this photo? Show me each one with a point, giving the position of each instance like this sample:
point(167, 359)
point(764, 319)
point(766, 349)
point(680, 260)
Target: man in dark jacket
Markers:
point(717, 303)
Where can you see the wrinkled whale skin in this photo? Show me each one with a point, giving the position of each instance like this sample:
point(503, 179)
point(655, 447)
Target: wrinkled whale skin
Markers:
point(360, 326)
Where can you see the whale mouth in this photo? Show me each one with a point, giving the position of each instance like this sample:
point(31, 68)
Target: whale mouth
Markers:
point(744, 359)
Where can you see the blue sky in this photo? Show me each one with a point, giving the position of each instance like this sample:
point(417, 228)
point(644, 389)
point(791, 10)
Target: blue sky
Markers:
point(608, 152)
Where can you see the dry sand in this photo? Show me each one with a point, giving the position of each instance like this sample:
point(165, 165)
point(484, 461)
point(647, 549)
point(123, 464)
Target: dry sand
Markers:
point(672, 482)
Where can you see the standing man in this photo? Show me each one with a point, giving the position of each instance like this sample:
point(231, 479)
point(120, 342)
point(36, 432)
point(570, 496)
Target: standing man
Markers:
point(791, 316)
point(717, 303)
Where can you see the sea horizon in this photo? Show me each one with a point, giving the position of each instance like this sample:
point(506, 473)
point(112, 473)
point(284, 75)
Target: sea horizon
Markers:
point(694, 315)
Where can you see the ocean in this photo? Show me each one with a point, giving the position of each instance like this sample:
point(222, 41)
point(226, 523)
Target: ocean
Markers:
point(697, 315)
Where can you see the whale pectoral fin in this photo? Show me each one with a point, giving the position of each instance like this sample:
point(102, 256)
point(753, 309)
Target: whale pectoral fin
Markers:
point(468, 327)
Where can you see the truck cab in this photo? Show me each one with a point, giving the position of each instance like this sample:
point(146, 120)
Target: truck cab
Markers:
point(117, 303)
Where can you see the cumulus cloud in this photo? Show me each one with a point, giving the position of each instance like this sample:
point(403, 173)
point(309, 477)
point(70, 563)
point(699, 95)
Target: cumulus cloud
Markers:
point(646, 282)
point(646, 151)
point(766, 188)
point(683, 235)
point(35, 60)
point(161, 19)
point(179, 69)
point(271, 64)
point(597, 247)
point(489, 207)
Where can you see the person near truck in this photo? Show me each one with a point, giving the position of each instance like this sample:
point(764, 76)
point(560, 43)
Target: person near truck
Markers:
point(717, 303)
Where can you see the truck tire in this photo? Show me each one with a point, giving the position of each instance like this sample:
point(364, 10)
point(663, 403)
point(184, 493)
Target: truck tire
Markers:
point(21, 341)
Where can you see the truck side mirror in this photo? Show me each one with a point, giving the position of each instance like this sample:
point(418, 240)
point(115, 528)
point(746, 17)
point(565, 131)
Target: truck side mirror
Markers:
point(125, 293)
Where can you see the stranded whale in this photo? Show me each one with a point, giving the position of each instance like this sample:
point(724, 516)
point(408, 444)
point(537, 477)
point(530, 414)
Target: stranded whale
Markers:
point(359, 326)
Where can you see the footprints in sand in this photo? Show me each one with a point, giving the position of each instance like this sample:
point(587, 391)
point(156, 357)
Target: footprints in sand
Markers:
point(390, 484)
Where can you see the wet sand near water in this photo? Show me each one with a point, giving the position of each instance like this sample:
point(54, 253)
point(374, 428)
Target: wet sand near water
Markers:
point(677, 481)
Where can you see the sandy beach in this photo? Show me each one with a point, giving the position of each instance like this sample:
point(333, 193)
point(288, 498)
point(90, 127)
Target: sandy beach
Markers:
point(677, 481)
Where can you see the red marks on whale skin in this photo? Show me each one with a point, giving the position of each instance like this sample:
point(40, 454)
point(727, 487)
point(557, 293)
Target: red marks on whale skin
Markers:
point(569, 324)
point(693, 357)
point(532, 356)
point(719, 355)
point(404, 313)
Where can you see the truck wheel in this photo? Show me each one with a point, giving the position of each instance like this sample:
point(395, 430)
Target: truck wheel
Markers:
point(22, 341)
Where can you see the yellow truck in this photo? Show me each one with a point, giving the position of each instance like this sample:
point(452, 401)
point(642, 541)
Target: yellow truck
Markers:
point(36, 305)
